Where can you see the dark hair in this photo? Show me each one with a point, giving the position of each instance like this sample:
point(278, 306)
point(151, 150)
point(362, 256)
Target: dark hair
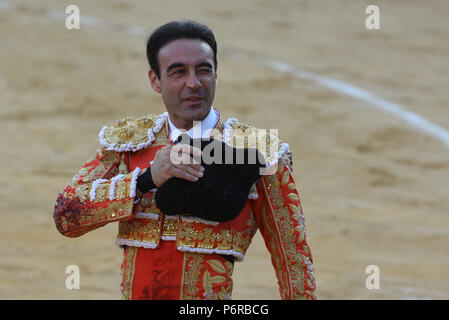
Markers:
point(178, 30)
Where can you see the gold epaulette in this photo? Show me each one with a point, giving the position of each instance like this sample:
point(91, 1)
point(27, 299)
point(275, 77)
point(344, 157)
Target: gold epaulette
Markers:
point(132, 134)
point(244, 135)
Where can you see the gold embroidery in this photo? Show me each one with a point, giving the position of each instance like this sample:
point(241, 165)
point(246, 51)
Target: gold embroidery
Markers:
point(193, 265)
point(127, 270)
point(297, 213)
point(244, 135)
point(149, 204)
point(280, 166)
point(293, 276)
point(224, 240)
point(218, 285)
point(170, 227)
point(82, 192)
point(187, 236)
point(252, 225)
point(102, 192)
point(288, 159)
point(285, 177)
point(147, 200)
point(217, 265)
point(121, 210)
point(120, 189)
point(123, 168)
point(84, 171)
point(161, 138)
point(109, 156)
point(206, 277)
point(145, 123)
point(193, 235)
point(241, 240)
point(129, 130)
point(142, 230)
point(293, 196)
point(95, 218)
point(217, 132)
point(206, 238)
point(98, 171)
point(282, 225)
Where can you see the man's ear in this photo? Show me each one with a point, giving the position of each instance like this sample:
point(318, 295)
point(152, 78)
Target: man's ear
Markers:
point(154, 80)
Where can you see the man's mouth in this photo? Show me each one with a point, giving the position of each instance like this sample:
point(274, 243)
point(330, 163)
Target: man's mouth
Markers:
point(193, 100)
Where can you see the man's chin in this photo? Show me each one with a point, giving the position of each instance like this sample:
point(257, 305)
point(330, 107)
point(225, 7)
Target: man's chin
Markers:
point(197, 112)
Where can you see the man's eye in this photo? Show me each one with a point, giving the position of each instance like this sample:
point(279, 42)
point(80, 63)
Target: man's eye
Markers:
point(177, 72)
point(205, 70)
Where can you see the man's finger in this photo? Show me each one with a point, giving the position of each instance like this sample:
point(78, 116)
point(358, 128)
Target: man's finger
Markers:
point(184, 174)
point(195, 151)
point(184, 148)
point(190, 170)
point(197, 167)
point(177, 159)
point(183, 154)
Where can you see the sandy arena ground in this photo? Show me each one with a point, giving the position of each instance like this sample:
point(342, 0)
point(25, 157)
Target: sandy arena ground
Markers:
point(374, 189)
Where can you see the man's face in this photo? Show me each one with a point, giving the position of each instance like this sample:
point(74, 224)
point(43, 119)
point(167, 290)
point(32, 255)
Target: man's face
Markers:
point(187, 80)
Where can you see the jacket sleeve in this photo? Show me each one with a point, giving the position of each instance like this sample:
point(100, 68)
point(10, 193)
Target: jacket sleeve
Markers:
point(102, 191)
point(281, 222)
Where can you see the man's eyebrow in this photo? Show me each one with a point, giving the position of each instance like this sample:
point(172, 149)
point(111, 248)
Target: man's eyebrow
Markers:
point(182, 65)
point(204, 64)
point(175, 65)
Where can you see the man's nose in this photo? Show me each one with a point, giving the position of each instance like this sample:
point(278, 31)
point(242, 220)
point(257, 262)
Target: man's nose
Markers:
point(193, 82)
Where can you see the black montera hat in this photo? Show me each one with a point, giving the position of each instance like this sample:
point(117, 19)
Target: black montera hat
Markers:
point(221, 193)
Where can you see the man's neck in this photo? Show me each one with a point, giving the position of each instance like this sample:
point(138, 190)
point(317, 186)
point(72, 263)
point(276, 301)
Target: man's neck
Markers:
point(186, 124)
point(196, 129)
point(181, 124)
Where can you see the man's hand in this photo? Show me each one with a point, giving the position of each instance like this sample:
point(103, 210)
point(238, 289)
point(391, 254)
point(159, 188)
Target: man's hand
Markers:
point(177, 161)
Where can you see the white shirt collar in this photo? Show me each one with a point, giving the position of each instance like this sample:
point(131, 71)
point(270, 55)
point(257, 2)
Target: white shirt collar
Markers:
point(202, 129)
